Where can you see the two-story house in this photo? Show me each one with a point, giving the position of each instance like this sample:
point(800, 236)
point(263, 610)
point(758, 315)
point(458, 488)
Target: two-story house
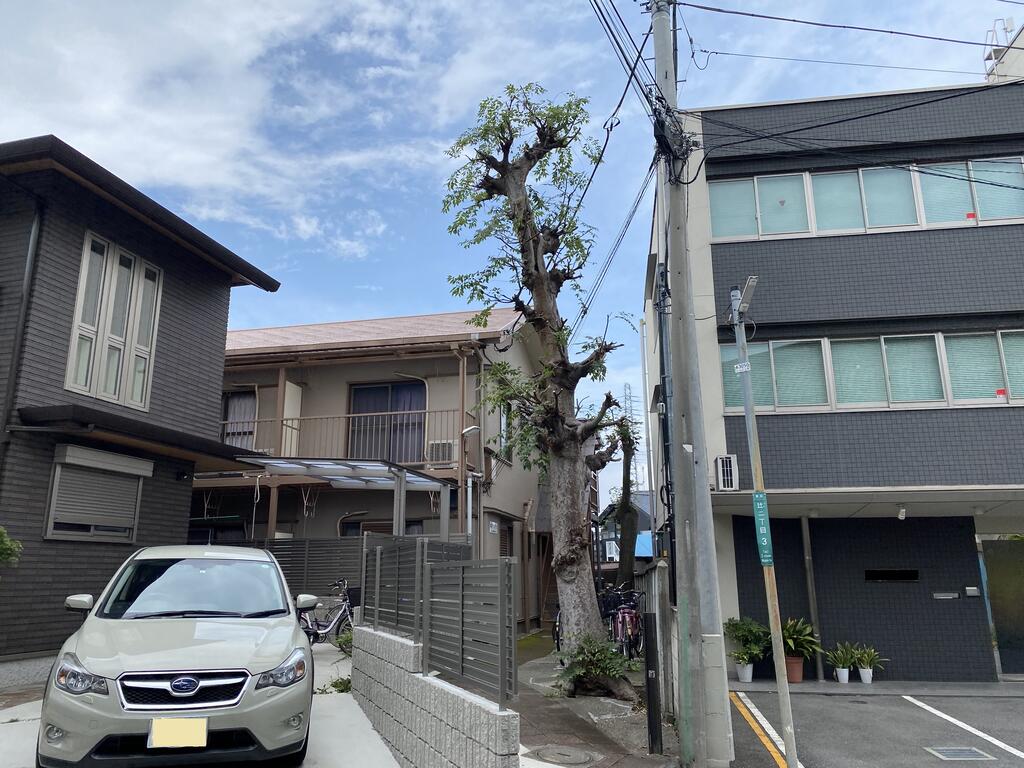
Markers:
point(887, 363)
point(376, 426)
point(113, 314)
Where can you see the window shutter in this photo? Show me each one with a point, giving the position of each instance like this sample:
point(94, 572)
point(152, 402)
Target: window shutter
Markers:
point(975, 371)
point(732, 208)
point(97, 499)
point(913, 365)
point(837, 203)
point(889, 193)
point(1003, 197)
point(782, 204)
point(760, 373)
point(946, 199)
point(859, 373)
point(505, 541)
point(799, 373)
point(1013, 352)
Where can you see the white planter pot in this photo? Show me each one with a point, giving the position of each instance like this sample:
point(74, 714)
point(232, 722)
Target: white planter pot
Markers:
point(843, 676)
point(866, 675)
point(745, 672)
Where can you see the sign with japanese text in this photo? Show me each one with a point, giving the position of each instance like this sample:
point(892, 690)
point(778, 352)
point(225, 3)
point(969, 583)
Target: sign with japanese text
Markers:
point(762, 528)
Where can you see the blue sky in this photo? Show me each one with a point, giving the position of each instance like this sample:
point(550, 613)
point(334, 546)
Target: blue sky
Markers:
point(309, 135)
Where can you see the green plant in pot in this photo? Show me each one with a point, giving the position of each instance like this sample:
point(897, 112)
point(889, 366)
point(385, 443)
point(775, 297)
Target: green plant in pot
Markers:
point(842, 657)
point(750, 639)
point(868, 660)
point(799, 643)
point(10, 550)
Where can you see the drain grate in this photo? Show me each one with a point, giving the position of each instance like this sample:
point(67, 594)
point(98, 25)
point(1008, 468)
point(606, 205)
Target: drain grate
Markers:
point(958, 753)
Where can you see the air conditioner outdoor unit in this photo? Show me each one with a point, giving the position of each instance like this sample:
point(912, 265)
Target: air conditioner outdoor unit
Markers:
point(440, 452)
point(727, 473)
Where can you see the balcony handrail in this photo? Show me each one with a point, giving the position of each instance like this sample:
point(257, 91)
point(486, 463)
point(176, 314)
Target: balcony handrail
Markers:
point(339, 416)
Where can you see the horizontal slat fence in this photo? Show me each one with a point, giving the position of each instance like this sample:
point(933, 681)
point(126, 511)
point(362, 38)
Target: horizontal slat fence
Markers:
point(310, 566)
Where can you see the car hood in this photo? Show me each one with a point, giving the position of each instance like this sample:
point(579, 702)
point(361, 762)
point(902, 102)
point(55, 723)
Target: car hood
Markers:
point(110, 647)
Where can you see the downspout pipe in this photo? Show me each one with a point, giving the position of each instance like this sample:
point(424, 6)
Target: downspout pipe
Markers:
point(19, 328)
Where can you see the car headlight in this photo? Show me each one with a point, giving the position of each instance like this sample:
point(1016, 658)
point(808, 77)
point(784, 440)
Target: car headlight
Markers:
point(72, 677)
point(290, 672)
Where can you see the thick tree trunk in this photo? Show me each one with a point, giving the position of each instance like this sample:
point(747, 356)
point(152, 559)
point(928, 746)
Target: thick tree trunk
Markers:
point(627, 518)
point(571, 560)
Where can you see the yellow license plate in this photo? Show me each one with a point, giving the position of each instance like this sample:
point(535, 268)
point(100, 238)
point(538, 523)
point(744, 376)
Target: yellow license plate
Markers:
point(177, 732)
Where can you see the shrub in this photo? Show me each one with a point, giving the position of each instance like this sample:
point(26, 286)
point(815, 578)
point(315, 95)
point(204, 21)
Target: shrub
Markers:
point(750, 637)
point(798, 639)
point(338, 685)
point(843, 656)
point(344, 642)
point(592, 659)
point(868, 658)
point(10, 550)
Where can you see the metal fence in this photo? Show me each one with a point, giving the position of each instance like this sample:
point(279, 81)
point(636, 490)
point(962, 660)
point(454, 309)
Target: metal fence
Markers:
point(311, 565)
point(462, 611)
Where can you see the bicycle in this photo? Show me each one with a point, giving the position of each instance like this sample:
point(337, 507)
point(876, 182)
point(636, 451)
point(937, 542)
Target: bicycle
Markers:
point(333, 618)
point(623, 609)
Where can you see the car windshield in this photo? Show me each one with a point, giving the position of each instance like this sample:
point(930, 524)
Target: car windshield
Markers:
point(196, 587)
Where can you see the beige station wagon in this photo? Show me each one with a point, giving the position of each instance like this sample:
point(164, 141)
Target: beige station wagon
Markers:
point(191, 656)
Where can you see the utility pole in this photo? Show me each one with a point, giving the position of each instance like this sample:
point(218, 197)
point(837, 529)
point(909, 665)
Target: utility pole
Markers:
point(695, 535)
point(762, 526)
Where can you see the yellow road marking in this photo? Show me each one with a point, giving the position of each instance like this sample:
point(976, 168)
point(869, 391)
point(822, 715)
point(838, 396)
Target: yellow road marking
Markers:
point(755, 726)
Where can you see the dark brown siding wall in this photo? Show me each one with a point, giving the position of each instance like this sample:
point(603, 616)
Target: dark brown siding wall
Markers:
point(189, 363)
point(32, 615)
point(16, 211)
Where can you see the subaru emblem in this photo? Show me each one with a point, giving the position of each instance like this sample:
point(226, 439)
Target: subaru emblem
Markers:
point(184, 686)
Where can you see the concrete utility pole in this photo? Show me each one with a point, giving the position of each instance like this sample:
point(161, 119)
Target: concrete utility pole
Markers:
point(762, 526)
point(711, 745)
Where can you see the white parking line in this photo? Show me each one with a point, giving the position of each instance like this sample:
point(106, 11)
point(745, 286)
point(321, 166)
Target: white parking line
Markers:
point(772, 733)
point(966, 727)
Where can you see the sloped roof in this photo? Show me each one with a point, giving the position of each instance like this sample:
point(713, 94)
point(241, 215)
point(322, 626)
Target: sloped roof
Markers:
point(376, 332)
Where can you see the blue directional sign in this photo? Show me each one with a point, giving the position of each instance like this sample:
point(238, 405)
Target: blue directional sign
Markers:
point(762, 528)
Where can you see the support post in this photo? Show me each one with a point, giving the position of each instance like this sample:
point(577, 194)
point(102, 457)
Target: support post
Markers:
point(428, 575)
point(762, 528)
point(282, 380)
point(376, 590)
point(461, 473)
point(398, 513)
point(664, 611)
point(652, 683)
point(272, 512)
point(444, 505)
point(812, 595)
point(504, 579)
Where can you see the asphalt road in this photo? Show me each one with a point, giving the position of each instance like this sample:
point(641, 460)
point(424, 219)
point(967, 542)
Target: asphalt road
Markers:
point(884, 731)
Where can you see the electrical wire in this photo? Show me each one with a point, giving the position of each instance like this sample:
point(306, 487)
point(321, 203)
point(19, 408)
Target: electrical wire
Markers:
point(852, 27)
point(841, 63)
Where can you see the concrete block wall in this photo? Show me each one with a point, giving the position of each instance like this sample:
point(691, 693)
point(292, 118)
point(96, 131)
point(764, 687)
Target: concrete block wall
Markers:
point(427, 722)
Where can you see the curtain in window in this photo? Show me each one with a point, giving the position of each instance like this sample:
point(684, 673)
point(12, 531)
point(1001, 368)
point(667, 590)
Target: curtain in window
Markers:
point(239, 419)
point(760, 372)
point(837, 203)
point(1013, 354)
point(799, 373)
point(732, 208)
point(913, 365)
point(369, 435)
point(889, 194)
point(410, 398)
point(946, 199)
point(858, 370)
point(975, 370)
point(782, 204)
point(1001, 193)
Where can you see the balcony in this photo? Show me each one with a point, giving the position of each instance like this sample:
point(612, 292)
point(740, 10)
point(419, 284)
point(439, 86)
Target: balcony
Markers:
point(427, 439)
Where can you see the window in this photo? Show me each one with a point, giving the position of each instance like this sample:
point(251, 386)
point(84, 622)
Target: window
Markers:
point(946, 192)
point(859, 372)
point(733, 213)
point(111, 350)
point(781, 204)
point(1002, 196)
point(94, 495)
point(912, 363)
point(799, 373)
point(389, 422)
point(889, 197)
point(503, 439)
point(837, 201)
point(975, 369)
point(1013, 355)
point(760, 374)
point(240, 413)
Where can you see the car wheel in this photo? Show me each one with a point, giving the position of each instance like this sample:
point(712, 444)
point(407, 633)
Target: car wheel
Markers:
point(296, 758)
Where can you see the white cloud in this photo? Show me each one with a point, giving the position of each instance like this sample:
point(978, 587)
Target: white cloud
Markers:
point(347, 249)
point(370, 288)
point(306, 227)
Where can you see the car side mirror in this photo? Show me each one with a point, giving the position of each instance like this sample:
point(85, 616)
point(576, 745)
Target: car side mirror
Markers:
point(79, 603)
point(306, 602)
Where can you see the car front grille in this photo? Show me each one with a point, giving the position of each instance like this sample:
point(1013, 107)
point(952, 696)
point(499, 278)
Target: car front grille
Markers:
point(154, 690)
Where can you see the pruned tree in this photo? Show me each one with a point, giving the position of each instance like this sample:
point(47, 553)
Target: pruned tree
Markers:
point(625, 511)
point(526, 167)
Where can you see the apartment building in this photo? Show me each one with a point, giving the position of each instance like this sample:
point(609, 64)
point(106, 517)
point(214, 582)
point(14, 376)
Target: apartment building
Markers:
point(376, 426)
point(887, 359)
point(112, 324)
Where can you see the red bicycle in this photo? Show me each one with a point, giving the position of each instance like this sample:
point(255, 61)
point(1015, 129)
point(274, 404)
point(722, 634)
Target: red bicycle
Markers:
point(623, 609)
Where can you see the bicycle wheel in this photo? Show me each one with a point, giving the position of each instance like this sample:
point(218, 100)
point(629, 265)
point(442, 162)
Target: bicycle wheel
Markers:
point(556, 632)
point(640, 645)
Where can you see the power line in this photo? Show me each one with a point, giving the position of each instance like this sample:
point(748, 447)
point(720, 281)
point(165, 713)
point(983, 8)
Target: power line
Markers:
point(1011, 2)
point(853, 27)
point(840, 63)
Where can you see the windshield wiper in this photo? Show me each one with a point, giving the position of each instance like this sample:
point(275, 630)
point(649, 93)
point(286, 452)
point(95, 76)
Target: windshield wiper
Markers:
point(183, 614)
point(264, 614)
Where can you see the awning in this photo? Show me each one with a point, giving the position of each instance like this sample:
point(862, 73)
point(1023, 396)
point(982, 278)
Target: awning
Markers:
point(105, 427)
point(364, 474)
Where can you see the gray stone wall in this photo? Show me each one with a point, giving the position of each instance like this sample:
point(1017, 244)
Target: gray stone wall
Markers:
point(427, 722)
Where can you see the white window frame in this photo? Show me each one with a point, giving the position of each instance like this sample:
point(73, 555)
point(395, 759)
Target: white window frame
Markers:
point(810, 408)
point(1019, 399)
point(872, 404)
point(1002, 367)
point(914, 169)
point(102, 340)
point(939, 358)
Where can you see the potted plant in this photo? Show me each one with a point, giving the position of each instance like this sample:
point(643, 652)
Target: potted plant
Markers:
point(10, 550)
point(751, 639)
point(842, 657)
point(799, 642)
point(868, 660)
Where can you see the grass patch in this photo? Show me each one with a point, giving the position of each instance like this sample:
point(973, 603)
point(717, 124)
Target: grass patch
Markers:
point(340, 685)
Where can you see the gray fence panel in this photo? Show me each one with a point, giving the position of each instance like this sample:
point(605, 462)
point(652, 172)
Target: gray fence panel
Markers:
point(312, 565)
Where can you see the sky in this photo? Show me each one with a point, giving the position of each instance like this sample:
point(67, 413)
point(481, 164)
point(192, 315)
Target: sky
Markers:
point(309, 136)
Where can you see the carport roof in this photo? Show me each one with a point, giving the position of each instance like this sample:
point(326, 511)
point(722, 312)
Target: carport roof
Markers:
point(365, 474)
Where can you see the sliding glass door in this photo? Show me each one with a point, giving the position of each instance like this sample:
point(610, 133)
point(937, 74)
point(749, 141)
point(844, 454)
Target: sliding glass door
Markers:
point(388, 422)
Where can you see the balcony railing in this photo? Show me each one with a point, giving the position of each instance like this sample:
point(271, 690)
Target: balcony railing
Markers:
point(424, 438)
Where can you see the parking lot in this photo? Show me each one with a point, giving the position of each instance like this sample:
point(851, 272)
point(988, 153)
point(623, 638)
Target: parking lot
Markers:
point(880, 731)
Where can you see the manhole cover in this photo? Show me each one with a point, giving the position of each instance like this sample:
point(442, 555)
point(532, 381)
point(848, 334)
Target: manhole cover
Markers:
point(563, 756)
point(958, 753)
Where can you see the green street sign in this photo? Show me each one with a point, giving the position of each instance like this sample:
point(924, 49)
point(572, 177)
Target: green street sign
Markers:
point(762, 529)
